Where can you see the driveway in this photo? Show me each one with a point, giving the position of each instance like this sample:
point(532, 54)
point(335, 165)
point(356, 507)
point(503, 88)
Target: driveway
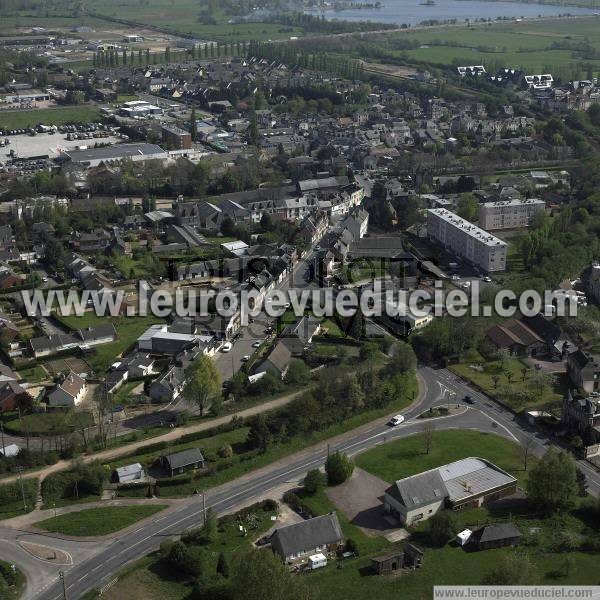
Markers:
point(359, 499)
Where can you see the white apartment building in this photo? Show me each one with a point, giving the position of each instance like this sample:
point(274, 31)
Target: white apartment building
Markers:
point(466, 240)
point(509, 214)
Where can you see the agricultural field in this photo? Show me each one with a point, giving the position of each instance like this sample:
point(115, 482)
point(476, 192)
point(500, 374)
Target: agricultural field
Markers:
point(183, 18)
point(23, 119)
point(547, 46)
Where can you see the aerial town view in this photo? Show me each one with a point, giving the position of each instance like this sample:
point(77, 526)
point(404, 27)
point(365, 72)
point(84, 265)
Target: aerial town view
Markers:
point(299, 299)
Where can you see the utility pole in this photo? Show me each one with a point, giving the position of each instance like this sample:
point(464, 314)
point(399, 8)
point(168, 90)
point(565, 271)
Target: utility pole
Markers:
point(18, 470)
point(2, 432)
point(203, 508)
point(61, 575)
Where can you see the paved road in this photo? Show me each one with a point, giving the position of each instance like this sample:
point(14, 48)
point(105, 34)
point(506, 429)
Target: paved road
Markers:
point(484, 415)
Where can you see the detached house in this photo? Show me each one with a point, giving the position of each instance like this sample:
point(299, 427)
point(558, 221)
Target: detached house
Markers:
point(68, 393)
point(186, 460)
point(584, 370)
point(308, 537)
point(278, 361)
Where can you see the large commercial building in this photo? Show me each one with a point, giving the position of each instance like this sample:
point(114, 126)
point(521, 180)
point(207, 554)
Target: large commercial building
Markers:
point(470, 482)
point(92, 157)
point(466, 240)
point(139, 109)
point(509, 214)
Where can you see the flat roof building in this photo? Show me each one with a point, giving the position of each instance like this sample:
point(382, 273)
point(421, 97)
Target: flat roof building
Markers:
point(509, 214)
point(92, 157)
point(466, 240)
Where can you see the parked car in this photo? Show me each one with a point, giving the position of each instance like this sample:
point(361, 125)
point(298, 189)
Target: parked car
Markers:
point(227, 346)
point(257, 344)
point(468, 400)
point(245, 358)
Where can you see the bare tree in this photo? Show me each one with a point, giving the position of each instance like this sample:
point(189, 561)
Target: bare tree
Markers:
point(526, 448)
point(428, 433)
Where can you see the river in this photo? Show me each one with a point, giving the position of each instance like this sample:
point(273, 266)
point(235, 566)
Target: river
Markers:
point(412, 12)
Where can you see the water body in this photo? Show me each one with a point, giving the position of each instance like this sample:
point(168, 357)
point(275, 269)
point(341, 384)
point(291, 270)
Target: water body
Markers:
point(412, 12)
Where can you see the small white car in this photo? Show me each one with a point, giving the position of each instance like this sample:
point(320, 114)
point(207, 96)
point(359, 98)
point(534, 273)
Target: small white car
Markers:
point(257, 344)
point(245, 358)
point(397, 420)
point(487, 279)
point(227, 346)
point(465, 285)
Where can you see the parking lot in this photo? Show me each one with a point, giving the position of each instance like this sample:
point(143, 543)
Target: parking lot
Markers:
point(52, 145)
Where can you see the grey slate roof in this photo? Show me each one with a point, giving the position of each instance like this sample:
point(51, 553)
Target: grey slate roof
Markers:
point(419, 490)
point(184, 458)
point(499, 531)
point(307, 535)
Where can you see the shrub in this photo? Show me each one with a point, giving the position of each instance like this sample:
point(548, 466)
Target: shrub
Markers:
point(441, 528)
point(225, 451)
point(338, 468)
point(313, 481)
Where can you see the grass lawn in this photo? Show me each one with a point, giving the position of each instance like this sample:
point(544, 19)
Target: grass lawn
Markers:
point(128, 330)
point(34, 374)
point(519, 390)
point(55, 423)
point(98, 521)
point(20, 119)
point(122, 395)
point(11, 501)
point(406, 457)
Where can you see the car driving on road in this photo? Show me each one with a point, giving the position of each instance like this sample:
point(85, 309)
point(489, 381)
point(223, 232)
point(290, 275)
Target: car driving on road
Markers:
point(395, 421)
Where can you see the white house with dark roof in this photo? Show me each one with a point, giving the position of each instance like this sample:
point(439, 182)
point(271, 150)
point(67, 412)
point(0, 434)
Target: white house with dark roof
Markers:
point(320, 534)
point(68, 393)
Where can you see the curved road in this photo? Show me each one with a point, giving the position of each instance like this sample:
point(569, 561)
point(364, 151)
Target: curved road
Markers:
point(96, 564)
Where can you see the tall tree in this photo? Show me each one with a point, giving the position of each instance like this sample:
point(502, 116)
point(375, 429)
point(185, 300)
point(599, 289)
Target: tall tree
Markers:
point(193, 126)
point(203, 383)
point(552, 483)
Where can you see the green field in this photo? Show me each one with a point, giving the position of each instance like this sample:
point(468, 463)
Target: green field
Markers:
point(182, 17)
point(406, 457)
point(98, 521)
point(526, 45)
point(21, 119)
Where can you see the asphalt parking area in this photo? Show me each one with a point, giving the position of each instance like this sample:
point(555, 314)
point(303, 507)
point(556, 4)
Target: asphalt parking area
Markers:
point(359, 499)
